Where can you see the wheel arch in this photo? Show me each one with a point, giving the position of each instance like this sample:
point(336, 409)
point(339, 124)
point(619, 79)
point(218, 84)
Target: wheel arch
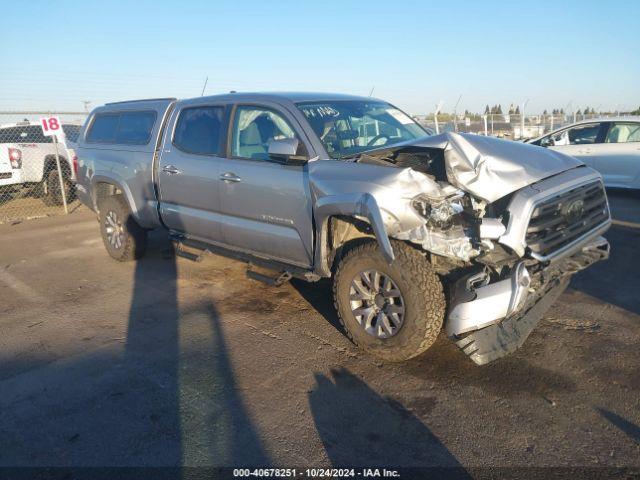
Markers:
point(50, 164)
point(343, 219)
point(103, 186)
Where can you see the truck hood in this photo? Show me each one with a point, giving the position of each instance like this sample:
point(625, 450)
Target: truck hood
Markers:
point(491, 168)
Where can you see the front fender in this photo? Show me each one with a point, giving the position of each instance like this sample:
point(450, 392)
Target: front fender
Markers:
point(362, 205)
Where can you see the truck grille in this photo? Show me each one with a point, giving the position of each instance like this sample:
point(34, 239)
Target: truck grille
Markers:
point(558, 221)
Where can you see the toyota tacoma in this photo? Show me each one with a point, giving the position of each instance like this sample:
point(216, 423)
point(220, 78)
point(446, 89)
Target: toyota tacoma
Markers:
point(418, 232)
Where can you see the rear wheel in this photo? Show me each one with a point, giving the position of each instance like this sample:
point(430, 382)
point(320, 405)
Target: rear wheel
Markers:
point(394, 312)
point(52, 194)
point(123, 238)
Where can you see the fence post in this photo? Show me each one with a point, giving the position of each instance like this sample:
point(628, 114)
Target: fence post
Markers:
point(60, 179)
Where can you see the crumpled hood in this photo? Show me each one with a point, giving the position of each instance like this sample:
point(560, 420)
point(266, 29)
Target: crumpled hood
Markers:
point(491, 168)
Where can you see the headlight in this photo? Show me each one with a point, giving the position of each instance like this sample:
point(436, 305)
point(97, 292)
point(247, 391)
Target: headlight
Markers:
point(440, 211)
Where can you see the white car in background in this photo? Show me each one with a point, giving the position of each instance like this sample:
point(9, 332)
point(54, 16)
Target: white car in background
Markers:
point(28, 162)
point(609, 145)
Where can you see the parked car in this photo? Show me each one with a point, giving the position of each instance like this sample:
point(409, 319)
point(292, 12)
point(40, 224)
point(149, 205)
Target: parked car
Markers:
point(609, 145)
point(474, 232)
point(31, 158)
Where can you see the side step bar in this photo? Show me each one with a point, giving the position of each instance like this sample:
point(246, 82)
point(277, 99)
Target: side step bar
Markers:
point(189, 255)
point(286, 271)
point(273, 281)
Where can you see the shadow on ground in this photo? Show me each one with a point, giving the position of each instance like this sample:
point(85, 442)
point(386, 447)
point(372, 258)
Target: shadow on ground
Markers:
point(614, 281)
point(358, 427)
point(137, 409)
point(320, 296)
point(630, 429)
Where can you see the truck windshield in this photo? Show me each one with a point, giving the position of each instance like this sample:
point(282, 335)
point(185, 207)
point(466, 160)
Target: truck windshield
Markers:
point(348, 128)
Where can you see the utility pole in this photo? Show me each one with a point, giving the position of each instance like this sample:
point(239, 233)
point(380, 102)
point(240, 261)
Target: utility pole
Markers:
point(204, 86)
point(455, 114)
point(524, 105)
point(567, 108)
point(435, 115)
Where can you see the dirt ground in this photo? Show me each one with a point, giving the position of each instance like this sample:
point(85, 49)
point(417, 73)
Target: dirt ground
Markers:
point(168, 362)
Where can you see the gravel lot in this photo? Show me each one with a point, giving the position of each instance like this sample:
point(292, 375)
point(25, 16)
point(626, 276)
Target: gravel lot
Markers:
point(168, 362)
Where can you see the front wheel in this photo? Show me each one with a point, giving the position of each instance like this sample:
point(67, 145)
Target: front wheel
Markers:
point(394, 312)
point(123, 238)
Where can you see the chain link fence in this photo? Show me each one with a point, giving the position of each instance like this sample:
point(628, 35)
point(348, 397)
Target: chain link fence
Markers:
point(35, 169)
point(506, 125)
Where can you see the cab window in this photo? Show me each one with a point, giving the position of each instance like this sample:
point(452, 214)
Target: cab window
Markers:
point(254, 128)
point(583, 134)
point(198, 130)
point(623, 133)
point(579, 135)
point(126, 128)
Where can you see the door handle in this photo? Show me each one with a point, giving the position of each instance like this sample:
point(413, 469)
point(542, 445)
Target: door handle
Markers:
point(170, 169)
point(230, 177)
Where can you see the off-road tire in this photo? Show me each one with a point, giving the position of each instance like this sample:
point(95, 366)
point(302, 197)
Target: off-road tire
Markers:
point(421, 290)
point(51, 185)
point(134, 238)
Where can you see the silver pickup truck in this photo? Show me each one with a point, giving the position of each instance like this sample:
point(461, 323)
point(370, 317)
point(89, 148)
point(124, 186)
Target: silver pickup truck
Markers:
point(476, 233)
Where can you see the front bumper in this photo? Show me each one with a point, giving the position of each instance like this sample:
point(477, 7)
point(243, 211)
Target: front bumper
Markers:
point(499, 317)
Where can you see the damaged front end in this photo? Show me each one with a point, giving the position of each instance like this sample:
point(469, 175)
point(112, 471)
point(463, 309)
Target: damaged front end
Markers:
point(505, 225)
point(490, 319)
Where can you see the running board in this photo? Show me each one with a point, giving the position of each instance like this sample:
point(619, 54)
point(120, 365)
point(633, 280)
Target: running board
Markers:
point(286, 271)
point(180, 252)
point(272, 281)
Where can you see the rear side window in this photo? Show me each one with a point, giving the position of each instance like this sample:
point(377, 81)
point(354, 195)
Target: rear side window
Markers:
point(198, 130)
point(623, 133)
point(135, 127)
point(128, 128)
point(103, 129)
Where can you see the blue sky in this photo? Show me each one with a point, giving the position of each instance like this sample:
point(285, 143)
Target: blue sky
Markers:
point(56, 54)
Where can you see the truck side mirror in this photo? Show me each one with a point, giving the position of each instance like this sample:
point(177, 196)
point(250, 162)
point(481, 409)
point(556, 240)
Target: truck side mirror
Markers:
point(288, 150)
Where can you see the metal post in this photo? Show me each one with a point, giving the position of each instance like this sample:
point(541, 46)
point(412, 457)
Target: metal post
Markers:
point(64, 193)
point(484, 118)
point(455, 114)
point(491, 114)
point(435, 116)
point(524, 105)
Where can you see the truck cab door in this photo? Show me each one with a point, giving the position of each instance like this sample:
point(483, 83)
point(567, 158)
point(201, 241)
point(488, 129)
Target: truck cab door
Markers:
point(618, 157)
point(188, 171)
point(579, 141)
point(265, 204)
